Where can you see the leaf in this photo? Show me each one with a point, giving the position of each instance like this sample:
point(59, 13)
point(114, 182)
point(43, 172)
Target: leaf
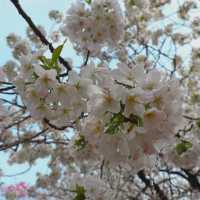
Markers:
point(136, 120)
point(195, 98)
point(34, 76)
point(46, 62)
point(147, 106)
point(88, 1)
point(80, 143)
point(198, 123)
point(115, 124)
point(56, 54)
point(131, 2)
point(183, 147)
point(80, 193)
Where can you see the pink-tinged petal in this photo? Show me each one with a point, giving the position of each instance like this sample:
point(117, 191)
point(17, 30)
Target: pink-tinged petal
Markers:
point(154, 118)
point(39, 70)
point(23, 185)
point(52, 74)
point(148, 148)
point(154, 75)
point(73, 77)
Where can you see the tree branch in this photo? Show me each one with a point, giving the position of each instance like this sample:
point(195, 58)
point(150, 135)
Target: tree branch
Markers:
point(147, 183)
point(7, 88)
point(43, 39)
point(192, 179)
point(4, 147)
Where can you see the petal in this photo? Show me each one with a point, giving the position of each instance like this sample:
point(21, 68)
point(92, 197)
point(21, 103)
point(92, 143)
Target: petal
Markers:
point(39, 70)
point(52, 74)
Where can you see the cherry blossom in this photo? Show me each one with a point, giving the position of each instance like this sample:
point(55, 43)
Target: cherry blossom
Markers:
point(124, 122)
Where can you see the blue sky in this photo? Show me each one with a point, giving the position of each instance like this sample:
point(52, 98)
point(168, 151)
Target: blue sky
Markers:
point(11, 22)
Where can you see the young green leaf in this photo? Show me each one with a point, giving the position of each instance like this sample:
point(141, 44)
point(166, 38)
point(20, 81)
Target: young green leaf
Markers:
point(56, 54)
point(80, 143)
point(115, 123)
point(131, 2)
point(88, 1)
point(183, 147)
point(46, 62)
point(80, 193)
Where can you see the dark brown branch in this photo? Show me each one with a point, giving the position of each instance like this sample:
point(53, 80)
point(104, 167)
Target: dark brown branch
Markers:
point(191, 118)
point(61, 128)
point(147, 183)
point(5, 83)
point(192, 179)
point(17, 122)
point(6, 88)
point(22, 141)
point(101, 168)
point(37, 31)
point(12, 103)
point(87, 58)
point(178, 173)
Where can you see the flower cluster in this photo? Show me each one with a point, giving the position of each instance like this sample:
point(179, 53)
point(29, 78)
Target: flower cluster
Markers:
point(94, 26)
point(130, 114)
point(110, 120)
point(122, 114)
point(17, 191)
point(88, 187)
